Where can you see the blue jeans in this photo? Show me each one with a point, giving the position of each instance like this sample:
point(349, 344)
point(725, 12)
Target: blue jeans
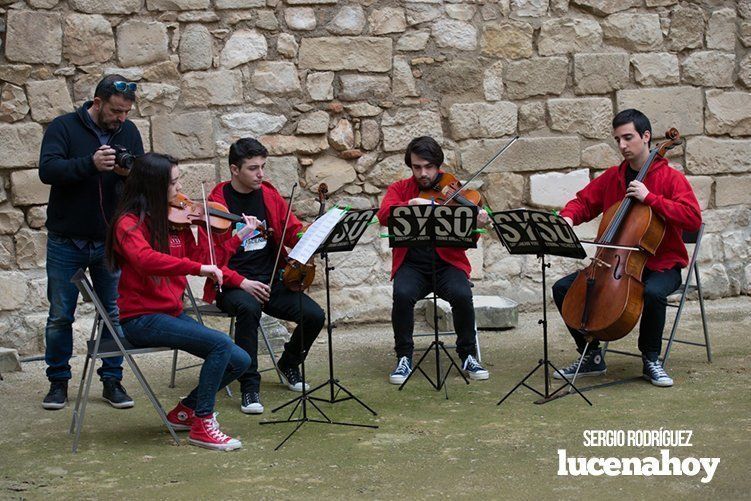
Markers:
point(224, 361)
point(64, 258)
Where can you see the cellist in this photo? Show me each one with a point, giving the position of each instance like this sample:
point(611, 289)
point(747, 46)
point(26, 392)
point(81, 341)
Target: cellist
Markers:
point(412, 268)
point(669, 194)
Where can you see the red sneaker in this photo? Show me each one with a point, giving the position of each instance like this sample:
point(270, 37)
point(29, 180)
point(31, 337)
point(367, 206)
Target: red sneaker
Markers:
point(206, 433)
point(181, 417)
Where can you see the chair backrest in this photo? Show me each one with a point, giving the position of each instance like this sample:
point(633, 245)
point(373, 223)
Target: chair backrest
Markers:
point(691, 237)
point(193, 303)
point(83, 285)
point(694, 237)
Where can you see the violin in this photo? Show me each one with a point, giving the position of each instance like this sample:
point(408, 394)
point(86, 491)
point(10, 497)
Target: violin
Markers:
point(298, 276)
point(185, 212)
point(447, 190)
point(606, 299)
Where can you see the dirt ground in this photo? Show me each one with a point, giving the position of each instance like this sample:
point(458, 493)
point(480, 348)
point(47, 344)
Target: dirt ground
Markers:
point(425, 447)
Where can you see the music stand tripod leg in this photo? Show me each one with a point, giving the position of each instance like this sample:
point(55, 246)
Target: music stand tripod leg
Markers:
point(568, 383)
point(332, 381)
point(417, 367)
point(303, 400)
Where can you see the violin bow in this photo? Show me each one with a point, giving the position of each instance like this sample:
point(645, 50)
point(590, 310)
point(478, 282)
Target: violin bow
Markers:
point(284, 233)
point(208, 229)
point(473, 176)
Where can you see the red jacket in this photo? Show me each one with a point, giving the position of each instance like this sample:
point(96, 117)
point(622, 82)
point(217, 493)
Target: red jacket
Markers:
point(670, 196)
point(226, 244)
point(399, 193)
point(151, 281)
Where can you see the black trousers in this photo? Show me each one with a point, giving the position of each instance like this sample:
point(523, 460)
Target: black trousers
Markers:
point(658, 285)
point(283, 304)
point(452, 284)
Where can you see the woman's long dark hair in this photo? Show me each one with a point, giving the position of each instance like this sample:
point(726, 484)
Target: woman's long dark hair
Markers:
point(145, 194)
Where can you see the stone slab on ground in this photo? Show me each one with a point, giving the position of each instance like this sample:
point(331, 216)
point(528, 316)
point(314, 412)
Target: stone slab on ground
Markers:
point(9, 361)
point(491, 312)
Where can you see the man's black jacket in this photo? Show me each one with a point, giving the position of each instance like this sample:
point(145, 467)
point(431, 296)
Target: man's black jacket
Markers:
point(82, 199)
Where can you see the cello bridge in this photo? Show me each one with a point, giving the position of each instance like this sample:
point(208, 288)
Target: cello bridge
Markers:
point(600, 262)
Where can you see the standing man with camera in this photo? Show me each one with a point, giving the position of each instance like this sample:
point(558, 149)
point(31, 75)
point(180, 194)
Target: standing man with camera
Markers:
point(81, 153)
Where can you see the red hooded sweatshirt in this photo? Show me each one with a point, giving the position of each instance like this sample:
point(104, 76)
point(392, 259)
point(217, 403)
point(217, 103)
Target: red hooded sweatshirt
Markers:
point(152, 281)
point(399, 193)
point(670, 196)
point(225, 244)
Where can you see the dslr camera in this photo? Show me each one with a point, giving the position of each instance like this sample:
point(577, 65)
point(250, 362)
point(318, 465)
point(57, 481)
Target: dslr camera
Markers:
point(123, 157)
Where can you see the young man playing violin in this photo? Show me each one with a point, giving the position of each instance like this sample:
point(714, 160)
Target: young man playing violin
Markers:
point(670, 196)
point(248, 286)
point(412, 268)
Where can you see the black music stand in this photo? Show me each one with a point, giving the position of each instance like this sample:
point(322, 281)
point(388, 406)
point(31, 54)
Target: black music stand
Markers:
point(343, 238)
point(301, 402)
point(433, 226)
point(524, 231)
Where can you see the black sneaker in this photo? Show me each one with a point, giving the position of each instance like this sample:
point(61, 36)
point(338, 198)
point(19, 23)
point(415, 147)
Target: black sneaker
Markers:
point(114, 393)
point(292, 378)
point(592, 365)
point(402, 371)
point(474, 370)
point(655, 374)
point(57, 397)
point(251, 403)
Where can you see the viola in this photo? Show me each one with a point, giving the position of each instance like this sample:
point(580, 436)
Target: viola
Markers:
point(606, 299)
point(447, 190)
point(298, 276)
point(185, 212)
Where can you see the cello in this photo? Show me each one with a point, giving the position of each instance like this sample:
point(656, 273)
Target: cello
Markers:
point(606, 299)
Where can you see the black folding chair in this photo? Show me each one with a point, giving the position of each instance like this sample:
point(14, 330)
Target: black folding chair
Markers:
point(211, 310)
point(114, 346)
point(684, 290)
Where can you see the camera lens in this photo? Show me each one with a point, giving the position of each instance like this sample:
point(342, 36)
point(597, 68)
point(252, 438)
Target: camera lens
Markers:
point(123, 157)
point(125, 160)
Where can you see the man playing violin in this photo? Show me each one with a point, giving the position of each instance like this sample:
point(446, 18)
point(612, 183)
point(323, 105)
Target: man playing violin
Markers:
point(78, 160)
point(246, 292)
point(669, 194)
point(412, 268)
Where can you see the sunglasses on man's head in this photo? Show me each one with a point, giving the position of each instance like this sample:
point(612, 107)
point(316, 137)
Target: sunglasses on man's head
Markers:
point(121, 86)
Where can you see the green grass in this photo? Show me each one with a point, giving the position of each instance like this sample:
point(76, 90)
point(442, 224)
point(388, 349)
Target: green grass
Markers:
point(425, 446)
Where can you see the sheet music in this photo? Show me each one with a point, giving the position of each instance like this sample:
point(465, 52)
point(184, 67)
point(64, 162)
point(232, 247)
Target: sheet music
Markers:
point(316, 234)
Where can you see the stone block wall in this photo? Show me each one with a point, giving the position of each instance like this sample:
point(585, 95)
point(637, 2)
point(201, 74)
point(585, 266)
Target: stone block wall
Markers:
point(336, 88)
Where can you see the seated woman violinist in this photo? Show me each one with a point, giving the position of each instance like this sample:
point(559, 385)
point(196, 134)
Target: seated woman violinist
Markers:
point(154, 260)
